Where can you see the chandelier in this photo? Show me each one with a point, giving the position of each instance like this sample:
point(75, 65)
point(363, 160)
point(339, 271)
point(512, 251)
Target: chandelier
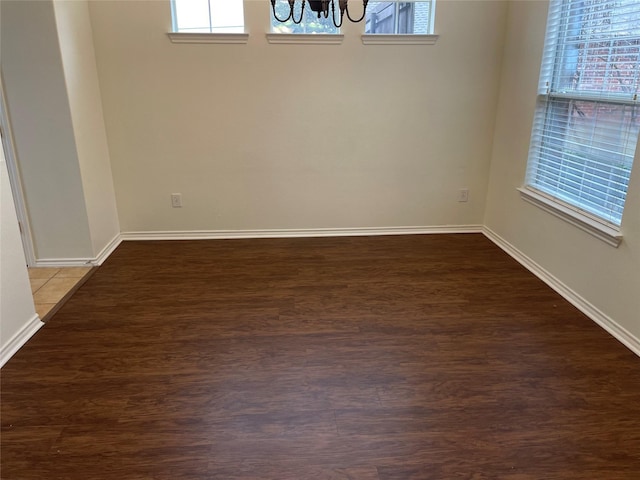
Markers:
point(322, 8)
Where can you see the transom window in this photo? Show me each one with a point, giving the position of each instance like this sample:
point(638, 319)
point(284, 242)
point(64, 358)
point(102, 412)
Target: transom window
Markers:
point(310, 23)
point(587, 118)
point(208, 16)
point(415, 17)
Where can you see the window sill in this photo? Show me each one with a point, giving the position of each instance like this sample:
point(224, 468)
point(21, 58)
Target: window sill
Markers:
point(585, 222)
point(383, 39)
point(187, 37)
point(306, 38)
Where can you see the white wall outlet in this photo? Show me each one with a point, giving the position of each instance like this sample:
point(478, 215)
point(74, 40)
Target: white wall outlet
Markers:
point(176, 200)
point(463, 195)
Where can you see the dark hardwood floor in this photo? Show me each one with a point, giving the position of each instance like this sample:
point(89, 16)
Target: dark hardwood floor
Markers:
point(401, 357)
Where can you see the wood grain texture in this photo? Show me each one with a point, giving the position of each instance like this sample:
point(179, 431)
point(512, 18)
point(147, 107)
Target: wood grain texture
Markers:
point(372, 358)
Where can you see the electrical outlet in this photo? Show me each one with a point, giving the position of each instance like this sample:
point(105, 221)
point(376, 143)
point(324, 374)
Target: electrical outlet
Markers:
point(176, 200)
point(463, 195)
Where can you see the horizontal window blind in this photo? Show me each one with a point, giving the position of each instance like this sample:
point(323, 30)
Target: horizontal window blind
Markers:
point(586, 125)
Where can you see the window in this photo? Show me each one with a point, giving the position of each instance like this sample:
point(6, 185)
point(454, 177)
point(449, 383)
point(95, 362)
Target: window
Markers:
point(586, 123)
point(310, 23)
point(399, 17)
point(208, 16)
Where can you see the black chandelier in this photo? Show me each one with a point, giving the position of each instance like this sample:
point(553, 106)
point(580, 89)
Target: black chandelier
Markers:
point(322, 8)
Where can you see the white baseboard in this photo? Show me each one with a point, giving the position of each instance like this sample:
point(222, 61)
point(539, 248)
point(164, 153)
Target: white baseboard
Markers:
point(297, 233)
point(270, 233)
point(267, 233)
point(602, 319)
point(19, 339)
point(63, 262)
point(81, 262)
point(108, 250)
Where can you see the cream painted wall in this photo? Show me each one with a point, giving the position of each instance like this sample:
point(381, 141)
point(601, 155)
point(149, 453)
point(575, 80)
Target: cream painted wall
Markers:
point(85, 103)
point(606, 277)
point(38, 108)
point(262, 136)
point(17, 311)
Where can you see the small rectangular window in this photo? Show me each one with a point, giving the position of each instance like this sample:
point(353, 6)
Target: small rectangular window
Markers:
point(402, 18)
point(310, 23)
point(208, 16)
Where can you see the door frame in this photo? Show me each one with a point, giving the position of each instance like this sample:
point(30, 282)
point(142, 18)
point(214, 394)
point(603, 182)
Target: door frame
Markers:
point(15, 181)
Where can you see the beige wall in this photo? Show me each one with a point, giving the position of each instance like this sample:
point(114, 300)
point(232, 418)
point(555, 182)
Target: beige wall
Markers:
point(606, 277)
point(38, 108)
point(17, 311)
point(297, 136)
point(55, 109)
point(85, 103)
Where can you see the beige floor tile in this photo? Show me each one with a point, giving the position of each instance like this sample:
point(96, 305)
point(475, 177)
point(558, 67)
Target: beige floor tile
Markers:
point(54, 290)
point(43, 308)
point(36, 283)
point(42, 272)
point(73, 272)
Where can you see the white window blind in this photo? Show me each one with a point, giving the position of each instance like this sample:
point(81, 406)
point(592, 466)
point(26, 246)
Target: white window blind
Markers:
point(586, 124)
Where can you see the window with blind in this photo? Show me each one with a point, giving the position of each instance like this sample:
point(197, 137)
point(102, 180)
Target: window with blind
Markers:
point(586, 123)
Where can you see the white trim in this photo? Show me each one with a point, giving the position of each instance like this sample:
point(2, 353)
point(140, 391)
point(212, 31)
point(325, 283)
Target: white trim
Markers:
point(81, 262)
point(64, 262)
point(398, 39)
point(15, 180)
point(20, 338)
point(294, 233)
point(108, 250)
point(601, 318)
point(582, 220)
point(192, 37)
point(306, 38)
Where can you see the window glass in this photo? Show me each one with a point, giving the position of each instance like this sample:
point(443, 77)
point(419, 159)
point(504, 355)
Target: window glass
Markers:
point(310, 23)
point(208, 16)
point(399, 18)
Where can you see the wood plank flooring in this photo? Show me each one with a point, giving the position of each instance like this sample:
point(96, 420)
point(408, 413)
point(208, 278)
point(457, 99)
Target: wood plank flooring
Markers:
point(373, 358)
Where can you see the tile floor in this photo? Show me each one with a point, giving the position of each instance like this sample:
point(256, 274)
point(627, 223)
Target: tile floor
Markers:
point(50, 285)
